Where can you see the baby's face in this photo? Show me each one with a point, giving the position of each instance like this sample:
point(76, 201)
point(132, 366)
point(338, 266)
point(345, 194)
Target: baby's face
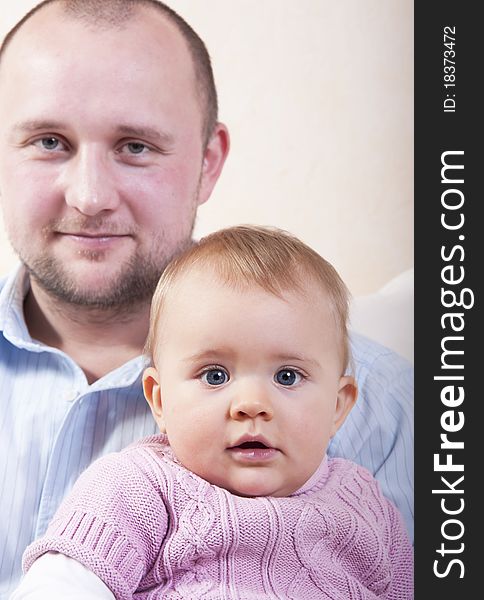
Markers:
point(250, 384)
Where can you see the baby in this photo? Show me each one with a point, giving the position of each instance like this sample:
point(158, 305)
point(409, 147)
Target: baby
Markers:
point(235, 498)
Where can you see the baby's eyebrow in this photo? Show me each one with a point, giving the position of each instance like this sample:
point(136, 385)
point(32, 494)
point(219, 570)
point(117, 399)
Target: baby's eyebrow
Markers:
point(216, 354)
point(211, 354)
point(296, 358)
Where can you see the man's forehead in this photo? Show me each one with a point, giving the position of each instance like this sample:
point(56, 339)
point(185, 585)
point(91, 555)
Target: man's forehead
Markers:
point(47, 26)
point(143, 84)
point(146, 48)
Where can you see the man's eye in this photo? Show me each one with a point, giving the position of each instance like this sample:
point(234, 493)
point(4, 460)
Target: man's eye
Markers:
point(215, 376)
point(136, 148)
point(49, 143)
point(287, 377)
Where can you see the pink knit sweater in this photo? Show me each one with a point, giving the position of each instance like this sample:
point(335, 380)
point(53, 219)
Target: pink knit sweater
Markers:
point(150, 529)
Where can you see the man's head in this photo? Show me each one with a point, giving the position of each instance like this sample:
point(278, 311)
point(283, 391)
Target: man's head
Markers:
point(110, 143)
point(102, 14)
point(249, 346)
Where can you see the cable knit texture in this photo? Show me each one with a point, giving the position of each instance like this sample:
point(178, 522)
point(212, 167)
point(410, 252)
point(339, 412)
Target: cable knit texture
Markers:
point(150, 529)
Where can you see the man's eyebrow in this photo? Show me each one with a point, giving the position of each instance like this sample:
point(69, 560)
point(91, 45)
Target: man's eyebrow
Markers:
point(37, 125)
point(32, 125)
point(161, 137)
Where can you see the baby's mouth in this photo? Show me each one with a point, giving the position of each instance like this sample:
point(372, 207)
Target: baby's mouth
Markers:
point(249, 445)
point(256, 450)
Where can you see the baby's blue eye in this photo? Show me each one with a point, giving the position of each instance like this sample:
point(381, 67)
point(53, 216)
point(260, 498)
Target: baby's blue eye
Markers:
point(287, 377)
point(215, 377)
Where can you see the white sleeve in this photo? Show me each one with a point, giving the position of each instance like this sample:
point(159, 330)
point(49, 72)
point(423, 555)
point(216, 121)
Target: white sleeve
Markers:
point(54, 576)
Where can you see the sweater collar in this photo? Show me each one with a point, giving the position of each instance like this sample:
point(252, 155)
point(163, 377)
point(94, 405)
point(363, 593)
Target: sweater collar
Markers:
point(317, 479)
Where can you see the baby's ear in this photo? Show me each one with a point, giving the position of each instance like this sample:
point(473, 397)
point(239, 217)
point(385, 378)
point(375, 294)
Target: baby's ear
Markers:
point(347, 393)
point(152, 392)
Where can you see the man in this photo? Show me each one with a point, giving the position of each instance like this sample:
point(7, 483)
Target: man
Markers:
point(110, 141)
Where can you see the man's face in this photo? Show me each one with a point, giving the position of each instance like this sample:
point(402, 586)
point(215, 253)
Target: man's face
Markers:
point(249, 384)
point(102, 164)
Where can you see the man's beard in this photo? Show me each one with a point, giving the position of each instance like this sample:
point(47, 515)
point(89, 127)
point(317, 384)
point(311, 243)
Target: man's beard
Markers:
point(133, 284)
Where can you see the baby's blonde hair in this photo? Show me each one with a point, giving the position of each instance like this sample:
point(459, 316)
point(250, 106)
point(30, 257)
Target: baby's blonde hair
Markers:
point(267, 257)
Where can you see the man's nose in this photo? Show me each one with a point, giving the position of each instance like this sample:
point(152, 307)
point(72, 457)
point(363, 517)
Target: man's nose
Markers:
point(251, 401)
point(89, 183)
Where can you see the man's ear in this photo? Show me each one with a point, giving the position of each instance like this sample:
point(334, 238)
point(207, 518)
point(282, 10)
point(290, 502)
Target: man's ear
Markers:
point(213, 161)
point(347, 393)
point(152, 392)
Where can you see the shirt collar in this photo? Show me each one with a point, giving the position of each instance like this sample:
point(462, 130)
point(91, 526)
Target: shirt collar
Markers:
point(14, 329)
point(12, 322)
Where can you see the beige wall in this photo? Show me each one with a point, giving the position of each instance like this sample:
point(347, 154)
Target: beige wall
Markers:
point(318, 96)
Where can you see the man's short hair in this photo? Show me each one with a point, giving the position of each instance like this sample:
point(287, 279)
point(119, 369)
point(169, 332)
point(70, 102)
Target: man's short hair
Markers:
point(115, 13)
point(265, 257)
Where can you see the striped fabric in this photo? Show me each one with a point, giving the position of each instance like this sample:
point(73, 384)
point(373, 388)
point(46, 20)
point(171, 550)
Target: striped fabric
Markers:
point(53, 424)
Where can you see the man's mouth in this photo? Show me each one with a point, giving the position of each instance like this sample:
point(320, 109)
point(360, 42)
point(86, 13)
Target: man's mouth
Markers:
point(92, 234)
point(92, 240)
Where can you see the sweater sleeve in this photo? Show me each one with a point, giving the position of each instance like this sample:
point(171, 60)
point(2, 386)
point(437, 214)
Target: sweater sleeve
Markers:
point(396, 541)
point(378, 432)
point(401, 557)
point(54, 576)
point(113, 522)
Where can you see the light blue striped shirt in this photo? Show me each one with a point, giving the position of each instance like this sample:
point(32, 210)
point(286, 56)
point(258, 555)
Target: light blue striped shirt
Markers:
point(53, 424)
